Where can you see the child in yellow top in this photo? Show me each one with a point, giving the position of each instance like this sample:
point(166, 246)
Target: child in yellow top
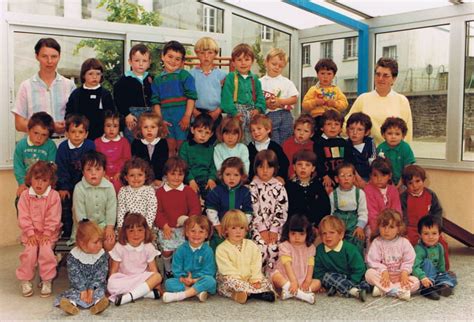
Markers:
point(324, 95)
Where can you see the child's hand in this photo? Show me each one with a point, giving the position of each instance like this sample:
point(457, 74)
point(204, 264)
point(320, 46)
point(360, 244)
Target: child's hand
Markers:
point(426, 282)
point(306, 284)
point(32, 241)
point(265, 236)
point(59, 127)
point(211, 184)
point(359, 233)
point(109, 234)
point(319, 100)
point(167, 231)
point(256, 284)
point(282, 181)
point(240, 116)
point(157, 183)
point(273, 237)
point(193, 185)
point(184, 123)
point(117, 176)
point(130, 121)
point(86, 296)
point(359, 182)
point(293, 287)
point(331, 103)
point(253, 113)
point(405, 280)
point(215, 114)
point(218, 228)
point(20, 189)
point(43, 239)
point(188, 281)
point(385, 279)
point(64, 194)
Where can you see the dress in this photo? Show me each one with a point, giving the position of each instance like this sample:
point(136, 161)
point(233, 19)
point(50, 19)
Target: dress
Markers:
point(141, 200)
point(133, 267)
point(300, 258)
point(85, 272)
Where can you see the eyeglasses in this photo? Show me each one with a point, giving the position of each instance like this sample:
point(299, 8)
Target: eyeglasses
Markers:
point(384, 76)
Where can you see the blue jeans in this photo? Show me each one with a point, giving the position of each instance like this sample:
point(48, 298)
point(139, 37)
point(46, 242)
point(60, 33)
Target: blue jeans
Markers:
point(436, 277)
point(205, 283)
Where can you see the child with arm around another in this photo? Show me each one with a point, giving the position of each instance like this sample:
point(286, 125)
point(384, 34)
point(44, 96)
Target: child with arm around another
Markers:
point(390, 259)
point(133, 271)
point(87, 266)
point(239, 263)
point(194, 265)
point(293, 273)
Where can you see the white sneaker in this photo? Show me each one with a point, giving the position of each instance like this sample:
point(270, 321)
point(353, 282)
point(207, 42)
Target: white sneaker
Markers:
point(285, 295)
point(46, 288)
point(202, 296)
point(404, 295)
point(26, 288)
point(376, 292)
point(309, 298)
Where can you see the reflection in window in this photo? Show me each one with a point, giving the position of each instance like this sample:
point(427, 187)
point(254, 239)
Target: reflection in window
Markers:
point(326, 49)
point(306, 55)
point(209, 19)
point(250, 32)
point(38, 7)
point(350, 48)
point(390, 52)
point(468, 134)
point(266, 33)
point(423, 69)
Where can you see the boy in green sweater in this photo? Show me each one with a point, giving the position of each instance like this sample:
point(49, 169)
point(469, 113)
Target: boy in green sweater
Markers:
point(198, 153)
point(339, 266)
point(429, 264)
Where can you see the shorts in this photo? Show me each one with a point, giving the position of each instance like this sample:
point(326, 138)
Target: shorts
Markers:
point(174, 115)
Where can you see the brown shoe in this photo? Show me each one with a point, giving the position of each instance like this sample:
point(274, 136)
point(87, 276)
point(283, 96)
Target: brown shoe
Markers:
point(68, 307)
point(239, 297)
point(100, 306)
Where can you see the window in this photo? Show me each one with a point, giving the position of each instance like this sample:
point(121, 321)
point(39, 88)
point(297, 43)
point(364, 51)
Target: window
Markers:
point(390, 52)
point(209, 19)
point(468, 128)
point(306, 55)
point(350, 48)
point(326, 49)
point(266, 33)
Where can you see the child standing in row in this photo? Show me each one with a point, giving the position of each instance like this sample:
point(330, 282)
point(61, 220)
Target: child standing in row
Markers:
point(115, 148)
point(348, 203)
point(239, 263)
point(280, 95)
point(198, 153)
point(94, 186)
point(230, 135)
point(174, 93)
point(242, 94)
point(294, 271)
point(133, 271)
point(175, 200)
point(303, 130)
point(87, 267)
point(194, 265)
point(132, 92)
point(149, 144)
point(137, 195)
point(91, 99)
point(209, 80)
point(390, 259)
point(394, 130)
point(270, 207)
point(68, 159)
point(324, 95)
point(229, 194)
point(261, 129)
point(39, 218)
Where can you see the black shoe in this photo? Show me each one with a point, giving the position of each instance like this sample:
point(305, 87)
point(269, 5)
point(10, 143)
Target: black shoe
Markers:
point(118, 300)
point(362, 295)
point(332, 291)
point(156, 293)
point(430, 293)
point(444, 290)
point(264, 296)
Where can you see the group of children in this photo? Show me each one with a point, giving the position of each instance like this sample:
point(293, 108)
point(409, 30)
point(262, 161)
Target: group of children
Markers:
point(295, 208)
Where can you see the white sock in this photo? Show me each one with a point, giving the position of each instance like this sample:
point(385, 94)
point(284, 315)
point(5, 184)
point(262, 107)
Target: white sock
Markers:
point(307, 297)
point(149, 295)
point(167, 263)
point(138, 292)
point(173, 297)
point(286, 286)
point(354, 292)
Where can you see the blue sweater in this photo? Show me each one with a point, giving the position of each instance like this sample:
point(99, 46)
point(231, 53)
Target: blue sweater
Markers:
point(69, 164)
point(200, 262)
point(222, 199)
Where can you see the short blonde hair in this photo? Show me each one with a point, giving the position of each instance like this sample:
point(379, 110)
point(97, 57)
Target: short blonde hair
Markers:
point(277, 52)
point(149, 116)
point(234, 218)
point(86, 230)
point(332, 222)
point(206, 43)
point(263, 120)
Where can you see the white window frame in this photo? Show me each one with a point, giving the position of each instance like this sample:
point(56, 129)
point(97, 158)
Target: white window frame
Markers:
point(351, 49)
point(390, 50)
point(266, 33)
point(306, 55)
point(326, 49)
point(209, 19)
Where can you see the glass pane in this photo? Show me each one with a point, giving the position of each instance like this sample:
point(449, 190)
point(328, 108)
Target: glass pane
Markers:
point(346, 77)
point(423, 68)
point(38, 7)
point(468, 134)
point(250, 32)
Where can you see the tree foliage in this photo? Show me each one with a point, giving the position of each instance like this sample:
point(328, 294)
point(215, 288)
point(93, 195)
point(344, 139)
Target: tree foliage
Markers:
point(259, 59)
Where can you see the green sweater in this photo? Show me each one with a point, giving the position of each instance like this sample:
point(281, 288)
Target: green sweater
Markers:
point(400, 156)
point(434, 253)
point(245, 93)
point(200, 160)
point(347, 261)
point(26, 154)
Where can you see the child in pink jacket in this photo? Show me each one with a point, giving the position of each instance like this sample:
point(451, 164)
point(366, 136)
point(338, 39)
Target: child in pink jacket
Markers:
point(39, 218)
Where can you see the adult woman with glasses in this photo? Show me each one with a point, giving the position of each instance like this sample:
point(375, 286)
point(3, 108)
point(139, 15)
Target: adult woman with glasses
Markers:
point(384, 102)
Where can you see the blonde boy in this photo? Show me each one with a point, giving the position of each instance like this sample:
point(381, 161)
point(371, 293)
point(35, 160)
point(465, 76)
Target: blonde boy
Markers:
point(280, 95)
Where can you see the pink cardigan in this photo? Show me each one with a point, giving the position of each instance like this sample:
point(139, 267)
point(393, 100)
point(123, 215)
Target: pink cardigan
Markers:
point(375, 202)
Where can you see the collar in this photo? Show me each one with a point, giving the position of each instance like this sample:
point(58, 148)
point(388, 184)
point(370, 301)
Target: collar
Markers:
point(301, 183)
point(32, 192)
point(91, 88)
point(244, 76)
point(198, 68)
point(164, 72)
point(154, 142)
point(104, 183)
point(137, 249)
point(194, 248)
point(270, 77)
point(72, 146)
point(417, 195)
point(86, 258)
point(391, 93)
point(269, 182)
point(167, 187)
point(231, 189)
point(37, 77)
point(130, 73)
point(336, 249)
point(324, 136)
point(205, 144)
point(300, 143)
point(115, 139)
point(319, 86)
point(28, 141)
point(259, 146)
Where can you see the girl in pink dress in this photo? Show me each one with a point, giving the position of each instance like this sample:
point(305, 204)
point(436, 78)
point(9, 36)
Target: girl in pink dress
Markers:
point(115, 148)
point(133, 271)
point(293, 273)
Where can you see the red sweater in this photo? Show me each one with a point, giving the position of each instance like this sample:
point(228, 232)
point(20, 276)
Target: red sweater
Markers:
point(290, 147)
point(175, 203)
